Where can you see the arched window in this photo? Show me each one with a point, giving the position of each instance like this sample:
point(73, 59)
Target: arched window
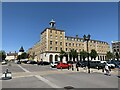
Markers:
point(56, 57)
point(51, 58)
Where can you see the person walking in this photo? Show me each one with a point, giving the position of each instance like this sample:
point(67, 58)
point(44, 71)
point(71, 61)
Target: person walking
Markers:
point(107, 70)
point(77, 66)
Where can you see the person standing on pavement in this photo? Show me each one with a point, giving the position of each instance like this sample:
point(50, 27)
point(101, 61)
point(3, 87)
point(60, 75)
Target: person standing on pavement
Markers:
point(107, 70)
point(77, 66)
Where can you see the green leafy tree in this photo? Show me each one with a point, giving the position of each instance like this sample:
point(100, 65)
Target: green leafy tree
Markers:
point(109, 55)
point(2, 55)
point(83, 54)
point(73, 54)
point(19, 57)
point(70, 56)
point(93, 54)
point(23, 55)
point(62, 54)
point(61, 58)
point(66, 55)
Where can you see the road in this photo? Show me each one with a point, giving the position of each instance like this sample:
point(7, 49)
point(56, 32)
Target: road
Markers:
point(33, 76)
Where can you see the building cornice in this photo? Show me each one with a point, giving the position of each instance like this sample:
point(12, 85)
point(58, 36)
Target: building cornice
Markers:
point(83, 39)
point(51, 29)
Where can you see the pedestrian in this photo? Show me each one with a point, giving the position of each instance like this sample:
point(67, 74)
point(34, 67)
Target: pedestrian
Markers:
point(37, 62)
point(77, 66)
point(107, 70)
point(68, 67)
point(72, 67)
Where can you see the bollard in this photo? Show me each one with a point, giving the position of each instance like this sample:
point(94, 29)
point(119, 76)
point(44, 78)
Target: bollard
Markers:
point(5, 74)
point(102, 69)
point(7, 70)
point(77, 69)
point(68, 67)
point(61, 68)
point(72, 68)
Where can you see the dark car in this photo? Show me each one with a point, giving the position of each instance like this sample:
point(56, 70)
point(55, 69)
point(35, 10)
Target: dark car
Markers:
point(79, 64)
point(94, 64)
point(31, 62)
point(18, 62)
point(83, 63)
point(70, 63)
point(116, 63)
point(101, 65)
point(43, 63)
point(25, 61)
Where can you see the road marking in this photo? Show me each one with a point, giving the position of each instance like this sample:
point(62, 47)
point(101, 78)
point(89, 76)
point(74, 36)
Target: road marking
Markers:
point(47, 81)
point(23, 76)
point(41, 78)
point(24, 69)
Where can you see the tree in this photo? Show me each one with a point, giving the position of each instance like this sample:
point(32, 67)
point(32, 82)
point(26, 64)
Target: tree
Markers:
point(73, 54)
point(70, 56)
point(83, 54)
point(18, 57)
point(23, 55)
point(93, 54)
point(62, 54)
point(2, 55)
point(109, 55)
point(61, 57)
point(66, 55)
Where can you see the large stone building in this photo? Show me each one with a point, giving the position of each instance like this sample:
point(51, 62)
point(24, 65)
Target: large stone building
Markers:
point(11, 56)
point(54, 40)
point(115, 46)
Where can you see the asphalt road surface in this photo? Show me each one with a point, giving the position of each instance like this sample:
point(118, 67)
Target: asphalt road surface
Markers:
point(33, 76)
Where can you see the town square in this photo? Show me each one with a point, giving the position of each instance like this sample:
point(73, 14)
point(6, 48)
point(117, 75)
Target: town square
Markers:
point(60, 45)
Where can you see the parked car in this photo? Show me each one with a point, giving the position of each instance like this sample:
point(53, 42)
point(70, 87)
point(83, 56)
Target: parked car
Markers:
point(116, 63)
point(43, 63)
point(54, 64)
point(4, 62)
point(111, 65)
point(25, 62)
point(70, 63)
point(31, 62)
point(18, 62)
point(62, 65)
point(101, 65)
point(79, 64)
point(83, 63)
point(95, 63)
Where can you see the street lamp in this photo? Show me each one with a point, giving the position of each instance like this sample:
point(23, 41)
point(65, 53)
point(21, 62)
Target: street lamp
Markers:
point(87, 38)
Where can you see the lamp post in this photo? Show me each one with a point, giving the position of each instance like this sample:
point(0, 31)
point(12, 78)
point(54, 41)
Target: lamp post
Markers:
point(87, 38)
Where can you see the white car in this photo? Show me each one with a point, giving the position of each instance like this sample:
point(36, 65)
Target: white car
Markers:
point(111, 65)
point(54, 64)
point(4, 62)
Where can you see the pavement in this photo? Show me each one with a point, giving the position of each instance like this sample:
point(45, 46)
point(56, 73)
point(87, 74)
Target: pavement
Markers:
point(33, 76)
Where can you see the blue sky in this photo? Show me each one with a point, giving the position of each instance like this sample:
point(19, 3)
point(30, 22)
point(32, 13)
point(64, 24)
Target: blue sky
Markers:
point(22, 23)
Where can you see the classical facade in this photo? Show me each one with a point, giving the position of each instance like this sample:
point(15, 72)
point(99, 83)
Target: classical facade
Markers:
point(11, 56)
point(54, 40)
point(115, 46)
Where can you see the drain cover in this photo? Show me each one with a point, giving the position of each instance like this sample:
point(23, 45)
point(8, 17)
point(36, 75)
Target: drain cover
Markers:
point(68, 87)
